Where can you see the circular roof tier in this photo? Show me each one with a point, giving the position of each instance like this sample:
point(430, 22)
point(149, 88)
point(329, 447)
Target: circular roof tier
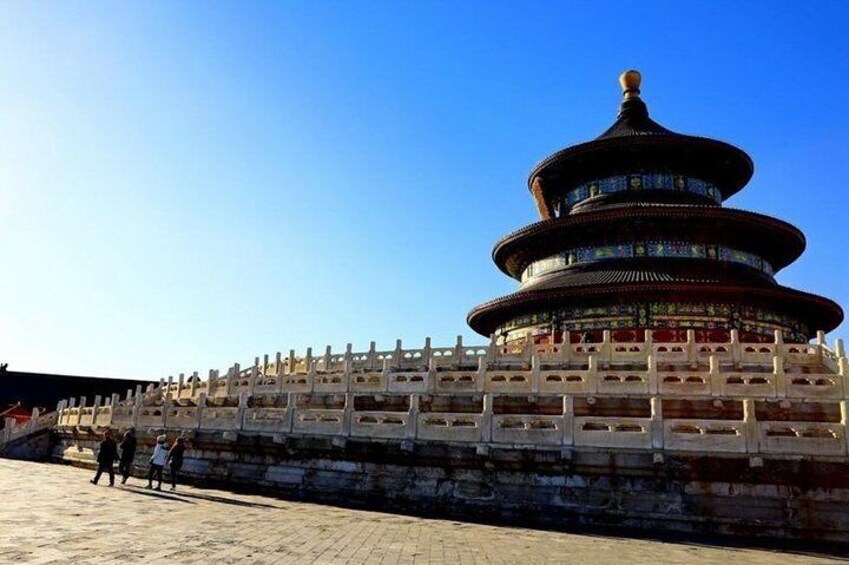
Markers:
point(635, 143)
point(817, 312)
point(774, 240)
point(649, 269)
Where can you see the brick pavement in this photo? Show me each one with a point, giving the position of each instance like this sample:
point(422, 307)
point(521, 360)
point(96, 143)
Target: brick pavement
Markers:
point(51, 514)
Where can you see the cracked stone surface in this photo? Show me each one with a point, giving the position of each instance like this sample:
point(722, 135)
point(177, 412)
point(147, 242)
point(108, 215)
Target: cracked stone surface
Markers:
point(52, 514)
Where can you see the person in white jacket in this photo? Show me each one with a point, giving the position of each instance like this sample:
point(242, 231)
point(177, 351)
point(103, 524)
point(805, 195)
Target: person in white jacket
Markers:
point(157, 461)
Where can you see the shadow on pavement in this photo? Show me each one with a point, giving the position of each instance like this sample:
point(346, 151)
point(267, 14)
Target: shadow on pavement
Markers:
point(155, 494)
point(223, 500)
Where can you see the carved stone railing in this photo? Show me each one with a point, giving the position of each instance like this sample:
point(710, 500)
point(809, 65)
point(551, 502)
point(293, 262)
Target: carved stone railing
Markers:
point(483, 395)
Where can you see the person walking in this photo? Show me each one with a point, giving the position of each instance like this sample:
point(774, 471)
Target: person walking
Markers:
point(128, 453)
point(157, 461)
point(175, 459)
point(106, 457)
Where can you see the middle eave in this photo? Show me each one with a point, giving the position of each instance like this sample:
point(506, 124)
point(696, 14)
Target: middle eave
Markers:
point(776, 241)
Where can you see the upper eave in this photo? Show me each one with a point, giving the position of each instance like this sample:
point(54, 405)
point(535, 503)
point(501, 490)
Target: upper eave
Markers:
point(723, 164)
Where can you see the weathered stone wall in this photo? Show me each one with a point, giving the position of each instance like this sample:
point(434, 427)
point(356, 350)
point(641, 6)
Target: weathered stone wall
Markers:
point(783, 498)
point(38, 446)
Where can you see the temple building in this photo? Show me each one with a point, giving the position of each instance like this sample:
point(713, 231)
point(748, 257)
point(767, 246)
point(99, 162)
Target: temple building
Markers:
point(633, 236)
point(699, 406)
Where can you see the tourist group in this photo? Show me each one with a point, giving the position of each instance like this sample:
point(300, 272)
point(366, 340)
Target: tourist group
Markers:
point(162, 455)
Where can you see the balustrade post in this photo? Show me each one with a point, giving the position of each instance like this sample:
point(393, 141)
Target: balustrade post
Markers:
point(310, 366)
point(137, 404)
point(412, 417)
point(839, 350)
point(692, 353)
point(606, 353)
point(592, 374)
point(714, 377)
point(656, 423)
point(751, 424)
point(349, 356)
point(240, 411)
point(535, 373)
point(371, 355)
point(566, 347)
point(568, 419)
point(232, 375)
point(291, 367)
point(844, 422)
point(458, 349)
point(327, 355)
point(651, 374)
point(430, 382)
point(201, 405)
point(778, 374)
point(736, 348)
point(83, 400)
point(397, 354)
point(253, 377)
point(486, 419)
point(211, 382)
point(821, 338)
point(289, 417)
point(347, 414)
point(279, 374)
point(480, 386)
point(167, 404)
point(346, 373)
point(33, 421)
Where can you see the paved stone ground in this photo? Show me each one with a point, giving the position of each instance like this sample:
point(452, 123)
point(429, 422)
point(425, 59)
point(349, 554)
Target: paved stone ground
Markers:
point(51, 514)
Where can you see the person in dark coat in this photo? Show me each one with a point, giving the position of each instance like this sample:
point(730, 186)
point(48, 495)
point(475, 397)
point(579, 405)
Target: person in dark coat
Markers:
point(128, 453)
point(175, 459)
point(106, 458)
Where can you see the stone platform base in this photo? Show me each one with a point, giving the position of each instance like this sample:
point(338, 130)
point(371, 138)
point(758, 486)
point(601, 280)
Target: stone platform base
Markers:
point(798, 499)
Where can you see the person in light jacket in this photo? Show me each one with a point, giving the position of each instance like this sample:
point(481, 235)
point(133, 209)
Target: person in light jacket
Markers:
point(157, 461)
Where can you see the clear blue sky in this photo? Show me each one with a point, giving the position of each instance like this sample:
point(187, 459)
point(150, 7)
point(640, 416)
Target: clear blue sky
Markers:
point(187, 185)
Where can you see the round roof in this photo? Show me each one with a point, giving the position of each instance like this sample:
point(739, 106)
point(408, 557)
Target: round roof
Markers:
point(636, 142)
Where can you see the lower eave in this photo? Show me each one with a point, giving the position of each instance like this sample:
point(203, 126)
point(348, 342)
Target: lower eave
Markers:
point(818, 312)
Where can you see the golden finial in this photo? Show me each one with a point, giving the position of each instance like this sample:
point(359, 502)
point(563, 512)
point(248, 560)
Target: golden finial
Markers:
point(630, 81)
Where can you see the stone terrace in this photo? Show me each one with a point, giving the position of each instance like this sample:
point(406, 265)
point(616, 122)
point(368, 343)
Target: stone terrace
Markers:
point(51, 514)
